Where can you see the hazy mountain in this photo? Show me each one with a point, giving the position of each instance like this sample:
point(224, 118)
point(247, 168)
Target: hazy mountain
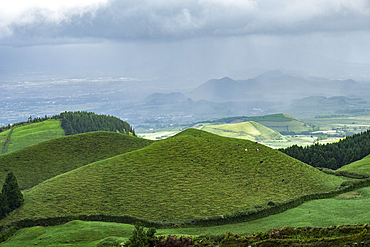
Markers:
point(226, 89)
point(269, 75)
point(274, 85)
point(164, 98)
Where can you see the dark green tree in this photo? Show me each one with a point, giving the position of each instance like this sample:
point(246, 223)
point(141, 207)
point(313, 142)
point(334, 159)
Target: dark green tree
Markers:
point(11, 194)
point(3, 209)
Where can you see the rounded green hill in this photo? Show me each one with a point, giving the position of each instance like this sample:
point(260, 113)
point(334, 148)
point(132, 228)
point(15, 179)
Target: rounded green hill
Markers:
point(193, 174)
point(34, 164)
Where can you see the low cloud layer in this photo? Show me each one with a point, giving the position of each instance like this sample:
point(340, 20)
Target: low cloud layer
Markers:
point(127, 20)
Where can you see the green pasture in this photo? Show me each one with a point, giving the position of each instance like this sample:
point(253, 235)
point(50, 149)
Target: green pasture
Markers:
point(31, 134)
point(282, 122)
point(360, 166)
point(318, 213)
point(245, 130)
point(3, 136)
point(37, 163)
point(74, 233)
point(191, 175)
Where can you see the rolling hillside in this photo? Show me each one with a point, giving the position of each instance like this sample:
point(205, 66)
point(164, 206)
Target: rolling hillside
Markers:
point(193, 174)
point(361, 166)
point(245, 130)
point(36, 163)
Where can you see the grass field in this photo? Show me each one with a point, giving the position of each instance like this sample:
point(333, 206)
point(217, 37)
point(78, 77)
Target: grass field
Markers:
point(193, 174)
point(361, 166)
point(319, 213)
point(34, 164)
point(31, 134)
point(3, 136)
point(157, 135)
point(245, 130)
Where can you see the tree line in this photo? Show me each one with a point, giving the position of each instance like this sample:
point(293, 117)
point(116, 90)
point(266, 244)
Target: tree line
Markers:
point(333, 155)
point(82, 122)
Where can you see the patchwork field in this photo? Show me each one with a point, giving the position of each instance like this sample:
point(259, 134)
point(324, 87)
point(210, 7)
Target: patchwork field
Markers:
point(245, 130)
point(37, 163)
point(193, 174)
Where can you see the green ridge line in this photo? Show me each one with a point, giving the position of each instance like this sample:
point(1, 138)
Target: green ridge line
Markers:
point(7, 140)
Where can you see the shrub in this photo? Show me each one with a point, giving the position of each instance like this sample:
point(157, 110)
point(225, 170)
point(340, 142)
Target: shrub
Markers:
point(173, 241)
point(346, 183)
point(140, 238)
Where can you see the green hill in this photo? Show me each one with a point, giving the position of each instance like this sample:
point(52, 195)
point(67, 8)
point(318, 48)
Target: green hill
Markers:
point(20, 135)
point(361, 166)
point(24, 136)
point(245, 130)
point(193, 174)
point(42, 161)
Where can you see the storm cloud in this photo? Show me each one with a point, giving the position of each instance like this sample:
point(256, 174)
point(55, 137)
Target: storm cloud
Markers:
point(127, 20)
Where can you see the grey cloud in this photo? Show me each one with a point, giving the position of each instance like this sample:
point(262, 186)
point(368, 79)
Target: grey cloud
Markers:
point(164, 19)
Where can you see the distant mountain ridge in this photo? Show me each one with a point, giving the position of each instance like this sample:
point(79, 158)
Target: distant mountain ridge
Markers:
point(271, 85)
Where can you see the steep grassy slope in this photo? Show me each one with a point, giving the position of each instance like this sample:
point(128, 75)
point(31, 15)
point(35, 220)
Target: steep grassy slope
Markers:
point(361, 166)
point(24, 136)
point(245, 130)
point(42, 161)
point(193, 174)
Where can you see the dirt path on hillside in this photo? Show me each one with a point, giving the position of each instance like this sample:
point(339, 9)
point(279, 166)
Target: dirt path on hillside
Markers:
point(7, 140)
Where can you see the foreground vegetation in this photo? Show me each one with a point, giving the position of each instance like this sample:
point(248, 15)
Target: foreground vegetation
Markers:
point(191, 175)
point(317, 213)
point(37, 163)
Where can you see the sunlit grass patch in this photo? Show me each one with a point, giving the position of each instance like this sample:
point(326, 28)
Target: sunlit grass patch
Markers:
point(24, 136)
point(361, 166)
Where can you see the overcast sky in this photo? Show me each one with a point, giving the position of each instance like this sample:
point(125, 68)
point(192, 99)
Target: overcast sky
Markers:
point(196, 39)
